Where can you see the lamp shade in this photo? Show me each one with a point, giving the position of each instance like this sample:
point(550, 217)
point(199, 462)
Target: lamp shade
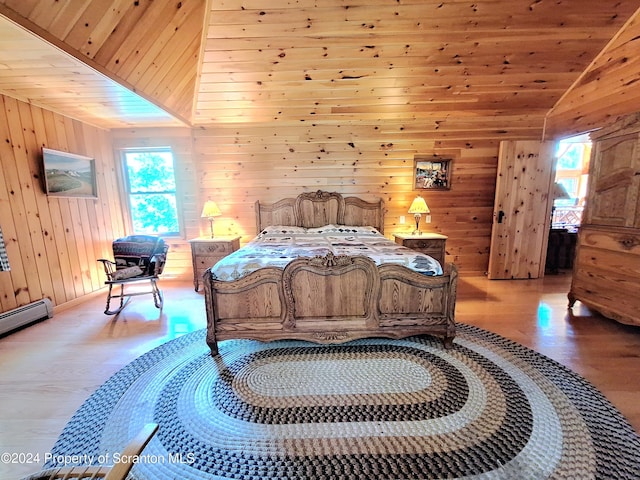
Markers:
point(210, 210)
point(559, 191)
point(419, 206)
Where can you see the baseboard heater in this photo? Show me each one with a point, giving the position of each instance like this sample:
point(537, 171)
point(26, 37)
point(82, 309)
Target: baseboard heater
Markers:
point(21, 316)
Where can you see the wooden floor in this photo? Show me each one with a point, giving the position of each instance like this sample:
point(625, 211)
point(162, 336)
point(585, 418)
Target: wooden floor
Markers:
point(50, 368)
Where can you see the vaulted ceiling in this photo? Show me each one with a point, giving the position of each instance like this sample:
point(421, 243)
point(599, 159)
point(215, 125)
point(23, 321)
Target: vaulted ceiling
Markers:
point(118, 63)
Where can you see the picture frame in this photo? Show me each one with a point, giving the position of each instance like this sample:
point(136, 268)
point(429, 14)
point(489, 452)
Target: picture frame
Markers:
point(68, 174)
point(432, 173)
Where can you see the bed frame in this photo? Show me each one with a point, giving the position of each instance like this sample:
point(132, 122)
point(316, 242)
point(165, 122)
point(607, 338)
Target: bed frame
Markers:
point(330, 299)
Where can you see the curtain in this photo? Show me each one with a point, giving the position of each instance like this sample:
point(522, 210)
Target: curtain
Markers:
point(4, 259)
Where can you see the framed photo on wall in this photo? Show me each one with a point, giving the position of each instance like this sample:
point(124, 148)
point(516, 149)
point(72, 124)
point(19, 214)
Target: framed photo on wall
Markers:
point(68, 174)
point(431, 173)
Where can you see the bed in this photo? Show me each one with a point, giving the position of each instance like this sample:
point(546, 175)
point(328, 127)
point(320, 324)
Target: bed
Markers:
point(333, 294)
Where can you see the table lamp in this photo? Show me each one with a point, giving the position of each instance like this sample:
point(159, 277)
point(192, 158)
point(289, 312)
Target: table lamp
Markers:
point(559, 193)
point(209, 211)
point(418, 207)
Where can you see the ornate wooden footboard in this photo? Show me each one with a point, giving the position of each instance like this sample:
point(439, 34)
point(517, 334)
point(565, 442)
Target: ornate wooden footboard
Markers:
point(331, 299)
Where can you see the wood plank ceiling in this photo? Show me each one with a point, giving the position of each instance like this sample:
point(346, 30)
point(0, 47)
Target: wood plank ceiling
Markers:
point(329, 61)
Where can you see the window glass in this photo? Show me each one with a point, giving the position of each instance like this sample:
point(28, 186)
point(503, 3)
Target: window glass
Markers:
point(571, 155)
point(151, 188)
point(572, 172)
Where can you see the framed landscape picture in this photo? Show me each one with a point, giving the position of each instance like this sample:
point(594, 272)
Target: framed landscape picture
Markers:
point(68, 174)
point(432, 173)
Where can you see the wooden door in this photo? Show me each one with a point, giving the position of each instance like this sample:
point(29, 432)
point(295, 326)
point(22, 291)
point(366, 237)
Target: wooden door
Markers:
point(521, 217)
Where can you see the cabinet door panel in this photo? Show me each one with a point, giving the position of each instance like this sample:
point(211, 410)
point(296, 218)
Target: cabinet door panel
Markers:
point(613, 196)
point(607, 263)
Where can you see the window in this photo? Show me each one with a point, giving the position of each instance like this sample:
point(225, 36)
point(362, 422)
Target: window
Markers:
point(572, 172)
point(151, 190)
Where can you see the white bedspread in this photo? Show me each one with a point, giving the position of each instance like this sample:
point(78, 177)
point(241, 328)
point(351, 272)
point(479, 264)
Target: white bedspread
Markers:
point(277, 245)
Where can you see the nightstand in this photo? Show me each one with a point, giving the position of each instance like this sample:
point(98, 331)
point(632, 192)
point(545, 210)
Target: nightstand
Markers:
point(432, 244)
point(206, 251)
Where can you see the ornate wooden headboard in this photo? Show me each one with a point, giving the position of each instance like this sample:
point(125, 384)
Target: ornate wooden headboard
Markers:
point(316, 209)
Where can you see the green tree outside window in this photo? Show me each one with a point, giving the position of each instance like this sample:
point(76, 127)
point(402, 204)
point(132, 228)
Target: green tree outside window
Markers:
point(151, 186)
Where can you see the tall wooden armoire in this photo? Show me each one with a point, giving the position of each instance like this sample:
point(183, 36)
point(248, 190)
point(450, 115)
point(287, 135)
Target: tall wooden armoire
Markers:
point(606, 272)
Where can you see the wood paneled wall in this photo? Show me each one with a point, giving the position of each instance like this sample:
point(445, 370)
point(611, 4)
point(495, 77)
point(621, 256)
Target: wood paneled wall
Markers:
point(52, 242)
point(240, 164)
point(605, 91)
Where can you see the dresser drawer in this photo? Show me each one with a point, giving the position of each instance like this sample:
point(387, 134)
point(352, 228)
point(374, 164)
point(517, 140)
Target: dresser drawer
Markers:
point(618, 240)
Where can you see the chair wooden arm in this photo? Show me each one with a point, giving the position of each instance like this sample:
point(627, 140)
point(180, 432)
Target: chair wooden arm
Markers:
point(118, 471)
point(155, 265)
point(64, 473)
point(109, 266)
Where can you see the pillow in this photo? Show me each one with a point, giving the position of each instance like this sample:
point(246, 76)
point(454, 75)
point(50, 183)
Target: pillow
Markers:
point(128, 272)
point(364, 230)
point(282, 230)
point(324, 229)
point(351, 229)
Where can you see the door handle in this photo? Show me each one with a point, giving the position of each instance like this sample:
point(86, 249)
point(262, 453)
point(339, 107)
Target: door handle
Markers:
point(500, 216)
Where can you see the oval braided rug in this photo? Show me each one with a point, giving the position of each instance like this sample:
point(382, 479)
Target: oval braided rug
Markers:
point(393, 409)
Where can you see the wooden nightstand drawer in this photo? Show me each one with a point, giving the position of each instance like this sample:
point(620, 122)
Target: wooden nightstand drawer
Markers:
point(212, 248)
point(206, 252)
point(203, 262)
point(423, 244)
point(432, 244)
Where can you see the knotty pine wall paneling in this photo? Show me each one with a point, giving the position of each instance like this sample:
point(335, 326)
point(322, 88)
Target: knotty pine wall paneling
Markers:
point(240, 164)
point(606, 90)
point(52, 242)
point(179, 263)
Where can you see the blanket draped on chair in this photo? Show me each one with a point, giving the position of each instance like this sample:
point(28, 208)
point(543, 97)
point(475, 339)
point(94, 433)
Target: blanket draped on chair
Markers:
point(147, 253)
point(4, 259)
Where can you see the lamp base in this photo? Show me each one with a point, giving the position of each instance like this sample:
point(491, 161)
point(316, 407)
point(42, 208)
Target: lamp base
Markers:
point(417, 230)
point(211, 226)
